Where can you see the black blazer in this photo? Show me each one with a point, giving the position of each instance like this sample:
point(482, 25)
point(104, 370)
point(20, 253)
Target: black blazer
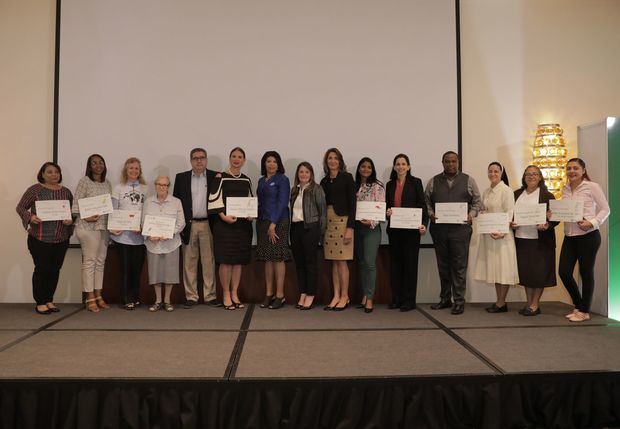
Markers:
point(413, 196)
point(343, 189)
point(183, 191)
point(548, 236)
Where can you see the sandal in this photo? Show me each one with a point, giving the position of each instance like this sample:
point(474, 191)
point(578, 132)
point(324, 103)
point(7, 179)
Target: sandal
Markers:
point(101, 303)
point(91, 305)
point(155, 307)
point(168, 307)
point(267, 301)
point(230, 307)
point(130, 306)
point(277, 303)
point(238, 304)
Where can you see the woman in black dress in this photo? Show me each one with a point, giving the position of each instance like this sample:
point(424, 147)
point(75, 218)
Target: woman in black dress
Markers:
point(232, 236)
point(535, 243)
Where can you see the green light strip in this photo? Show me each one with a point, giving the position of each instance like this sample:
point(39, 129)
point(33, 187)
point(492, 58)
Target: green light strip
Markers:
point(613, 193)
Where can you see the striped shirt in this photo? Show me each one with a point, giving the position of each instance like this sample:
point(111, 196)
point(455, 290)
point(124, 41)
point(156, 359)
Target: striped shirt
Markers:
point(50, 231)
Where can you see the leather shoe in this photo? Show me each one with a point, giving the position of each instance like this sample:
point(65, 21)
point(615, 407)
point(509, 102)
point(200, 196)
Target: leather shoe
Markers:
point(458, 308)
point(190, 303)
point(214, 303)
point(441, 305)
point(407, 307)
point(393, 305)
point(495, 309)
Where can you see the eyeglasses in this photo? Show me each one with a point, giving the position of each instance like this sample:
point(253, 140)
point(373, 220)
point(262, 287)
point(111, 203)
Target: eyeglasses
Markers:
point(531, 174)
point(198, 158)
point(163, 185)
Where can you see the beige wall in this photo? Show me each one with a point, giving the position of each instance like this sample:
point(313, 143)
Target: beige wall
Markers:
point(528, 62)
point(523, 63)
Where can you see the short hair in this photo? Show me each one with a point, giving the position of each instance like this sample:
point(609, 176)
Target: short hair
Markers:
point(197, 149)
point(89, 170)
point(44, 167)
point(450, 152)
point(159, 177)
point(132, 160)
point(393, 173)
point(341, 167)
point(273, 154)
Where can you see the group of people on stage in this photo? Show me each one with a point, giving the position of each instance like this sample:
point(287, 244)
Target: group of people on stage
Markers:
point(292, 223)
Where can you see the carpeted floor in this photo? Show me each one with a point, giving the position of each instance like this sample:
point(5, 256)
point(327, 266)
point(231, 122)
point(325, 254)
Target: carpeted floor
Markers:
point(255, 343)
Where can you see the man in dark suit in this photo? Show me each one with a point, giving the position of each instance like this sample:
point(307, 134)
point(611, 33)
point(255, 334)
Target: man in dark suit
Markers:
point(192, 188)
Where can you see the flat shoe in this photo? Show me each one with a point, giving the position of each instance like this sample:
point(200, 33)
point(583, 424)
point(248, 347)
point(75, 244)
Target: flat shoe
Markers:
point(529, 312)
point(495, 309)
point(48, 311)
point(54, 309)
point(580, 317)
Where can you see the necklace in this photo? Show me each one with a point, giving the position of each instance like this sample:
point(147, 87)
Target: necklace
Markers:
point(233, 175)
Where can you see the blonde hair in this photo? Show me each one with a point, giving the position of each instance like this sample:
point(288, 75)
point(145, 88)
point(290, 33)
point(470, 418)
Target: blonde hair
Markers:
point(132, 160)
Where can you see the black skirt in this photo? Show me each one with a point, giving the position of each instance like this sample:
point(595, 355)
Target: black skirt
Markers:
point(232, 243)
point(536, 263)
point(278, 252)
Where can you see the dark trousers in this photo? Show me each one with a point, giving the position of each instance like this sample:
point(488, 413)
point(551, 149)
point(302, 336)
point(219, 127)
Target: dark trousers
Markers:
point(305, 243)
point(404, 253)
point(582, 249)
point(132, 260)
point(452, 251)
point(48, 259)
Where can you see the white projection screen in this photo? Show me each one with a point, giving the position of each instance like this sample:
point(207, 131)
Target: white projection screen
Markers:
point(155, 78)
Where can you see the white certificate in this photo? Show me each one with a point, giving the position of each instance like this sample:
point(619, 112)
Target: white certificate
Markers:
point(370, 210)
point(451, 213)
point(492, 222)
point(530, 214)
point(406, 218)
point(124, 220)
point(92, 206)
point(242, 206)
point(158, 226)
point(53, 209)
point(566, 210)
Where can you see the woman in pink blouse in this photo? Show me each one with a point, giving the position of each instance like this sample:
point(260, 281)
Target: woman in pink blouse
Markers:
point(48, 240)
point(367, 232)
point(582, 239)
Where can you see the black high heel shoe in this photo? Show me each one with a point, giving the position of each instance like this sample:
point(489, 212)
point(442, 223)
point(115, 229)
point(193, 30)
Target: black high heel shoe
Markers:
point(267, 301)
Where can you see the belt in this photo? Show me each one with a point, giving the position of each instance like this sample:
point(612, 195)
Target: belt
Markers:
point(200, 219)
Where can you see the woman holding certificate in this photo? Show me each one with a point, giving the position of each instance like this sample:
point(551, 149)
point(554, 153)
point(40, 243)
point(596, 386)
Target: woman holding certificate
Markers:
point(45, 212)
point(367, 232)
point(92, 231)
point(232, 235)
point(404, 191)
point(582, 239)
point(497, 257)
point(339, 188)
point(309, 218)
point(272, 228)
point(128, 198)
point(534, 239)
point(162, 252)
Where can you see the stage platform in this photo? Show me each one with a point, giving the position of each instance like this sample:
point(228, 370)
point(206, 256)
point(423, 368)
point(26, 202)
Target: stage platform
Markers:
point(209, 367)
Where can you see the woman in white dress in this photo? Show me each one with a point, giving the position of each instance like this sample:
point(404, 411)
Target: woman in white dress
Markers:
point(497, 257)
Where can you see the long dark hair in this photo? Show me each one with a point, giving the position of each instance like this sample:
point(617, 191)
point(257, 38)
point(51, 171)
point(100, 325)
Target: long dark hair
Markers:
point(341, 165)
point(502, 169)
point(42, 170)
point(89, 169)
point(583, 165)
point(276, 156)
point(373, 175)
point(541, 181)
point(393, 173)
point(311, 182)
